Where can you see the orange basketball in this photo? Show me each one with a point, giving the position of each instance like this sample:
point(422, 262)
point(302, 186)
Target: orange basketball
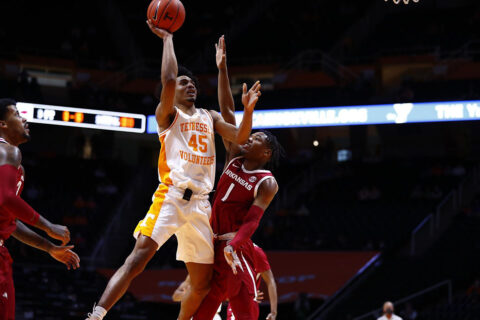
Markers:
point(166, 14)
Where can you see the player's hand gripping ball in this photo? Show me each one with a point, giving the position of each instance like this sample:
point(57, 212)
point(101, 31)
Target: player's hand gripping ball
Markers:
point(166, 14)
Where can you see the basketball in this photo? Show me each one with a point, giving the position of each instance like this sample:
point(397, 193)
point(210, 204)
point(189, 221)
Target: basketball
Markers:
point(166, 14)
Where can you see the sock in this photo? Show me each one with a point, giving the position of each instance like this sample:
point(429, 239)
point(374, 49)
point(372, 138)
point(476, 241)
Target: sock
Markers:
point(98, 313)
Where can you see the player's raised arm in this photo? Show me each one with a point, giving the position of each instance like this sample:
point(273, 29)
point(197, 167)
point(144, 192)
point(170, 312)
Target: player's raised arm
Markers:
point(10, 158)
point(165, 109)
point(241, 134)
point(225, 96)
point(63, 254)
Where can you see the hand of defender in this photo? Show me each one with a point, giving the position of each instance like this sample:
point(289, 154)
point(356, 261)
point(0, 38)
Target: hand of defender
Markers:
point(59, 232)
point(159, 32)
point(272, 316)
point(221, 55)
point(250, 97)
point(232, 259)
point(65, 255)
point(259, 297)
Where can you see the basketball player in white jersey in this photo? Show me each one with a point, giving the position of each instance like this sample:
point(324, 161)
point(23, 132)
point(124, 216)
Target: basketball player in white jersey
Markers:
point(186, 168)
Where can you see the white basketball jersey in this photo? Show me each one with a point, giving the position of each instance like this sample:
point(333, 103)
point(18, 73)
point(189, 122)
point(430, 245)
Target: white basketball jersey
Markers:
point(187, 153)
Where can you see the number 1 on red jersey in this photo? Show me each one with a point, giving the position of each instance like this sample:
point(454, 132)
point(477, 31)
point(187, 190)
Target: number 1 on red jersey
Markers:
point(228, 192)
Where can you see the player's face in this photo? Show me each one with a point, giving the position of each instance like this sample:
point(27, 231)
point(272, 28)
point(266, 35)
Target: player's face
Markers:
point(257, 147)
point(186, 90)
point(15, 126)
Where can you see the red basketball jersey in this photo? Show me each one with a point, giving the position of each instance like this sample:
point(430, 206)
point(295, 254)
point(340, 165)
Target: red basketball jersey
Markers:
point(7, 221)
point(236, 191)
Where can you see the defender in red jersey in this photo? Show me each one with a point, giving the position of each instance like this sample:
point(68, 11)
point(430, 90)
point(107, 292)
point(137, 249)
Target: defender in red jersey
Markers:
point(243, 193)
point(13, 132)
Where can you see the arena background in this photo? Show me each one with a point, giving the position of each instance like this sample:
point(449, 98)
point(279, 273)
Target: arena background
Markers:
point(374, 204)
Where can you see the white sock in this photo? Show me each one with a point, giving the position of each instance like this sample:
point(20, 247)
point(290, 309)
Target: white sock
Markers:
point(98, 313)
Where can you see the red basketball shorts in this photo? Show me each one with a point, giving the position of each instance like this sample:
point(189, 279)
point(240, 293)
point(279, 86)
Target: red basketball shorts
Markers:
point(239, 289)
point(7, 290)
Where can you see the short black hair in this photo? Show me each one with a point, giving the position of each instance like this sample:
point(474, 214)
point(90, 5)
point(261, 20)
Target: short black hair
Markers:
point(184, 71)
point(4, 103)
point(277, 151)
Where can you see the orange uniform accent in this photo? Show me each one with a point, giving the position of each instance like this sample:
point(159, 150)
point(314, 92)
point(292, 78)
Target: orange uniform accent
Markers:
point(163, 169)
point(146, 225)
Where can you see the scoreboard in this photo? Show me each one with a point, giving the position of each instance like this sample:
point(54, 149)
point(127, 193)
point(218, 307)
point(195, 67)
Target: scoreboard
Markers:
point(82, 118)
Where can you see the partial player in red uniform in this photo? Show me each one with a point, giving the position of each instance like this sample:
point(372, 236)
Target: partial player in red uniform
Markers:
point(244, 192)
point(263, 271)
point(13, 132)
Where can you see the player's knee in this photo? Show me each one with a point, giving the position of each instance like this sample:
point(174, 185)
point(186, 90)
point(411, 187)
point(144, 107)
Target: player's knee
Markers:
point(136, 263)
point(201, 288)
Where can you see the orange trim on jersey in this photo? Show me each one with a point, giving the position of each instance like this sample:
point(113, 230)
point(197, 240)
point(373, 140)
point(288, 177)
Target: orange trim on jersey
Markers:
point(147, 225)
point(171, 125)
point(163, 169)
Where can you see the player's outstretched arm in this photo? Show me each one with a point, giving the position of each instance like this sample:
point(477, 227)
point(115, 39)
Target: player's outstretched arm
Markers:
point(241, 134)
point(225, 96)
point(165, 110)
point(10, 159)
point(63, 254)
point(269, 279)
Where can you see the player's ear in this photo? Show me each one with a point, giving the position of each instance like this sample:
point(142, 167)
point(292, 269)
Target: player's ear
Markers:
point(3, 124)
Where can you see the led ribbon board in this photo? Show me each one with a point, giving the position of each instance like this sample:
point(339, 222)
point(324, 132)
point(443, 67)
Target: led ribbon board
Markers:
point(359, 115)
point(83, 118)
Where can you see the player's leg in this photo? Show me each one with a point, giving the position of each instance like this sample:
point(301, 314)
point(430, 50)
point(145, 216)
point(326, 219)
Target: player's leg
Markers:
point(135, 263)
point(244, 306)
point(158, 226)
point(200, 277)
point(210, 305)
point(7, 290)
point(230, 315)
point(195, 248)
point(11, 297)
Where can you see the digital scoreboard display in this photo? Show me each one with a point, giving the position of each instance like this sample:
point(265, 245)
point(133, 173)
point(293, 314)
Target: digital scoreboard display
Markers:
point(82, 118)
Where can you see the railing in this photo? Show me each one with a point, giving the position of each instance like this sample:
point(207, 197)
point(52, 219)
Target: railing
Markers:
point(311, 59)
point(361, 28)
point(421, 234)
point(331, 302)
point(237, 28)
point(120, 222)
point(302, 182)
point(447, 283)
point(434, 224)
point(446, 210)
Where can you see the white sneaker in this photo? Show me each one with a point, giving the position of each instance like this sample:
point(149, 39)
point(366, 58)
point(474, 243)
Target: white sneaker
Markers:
point(97, 314)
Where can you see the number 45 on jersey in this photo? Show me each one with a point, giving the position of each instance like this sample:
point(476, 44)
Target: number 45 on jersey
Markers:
point(199, 144)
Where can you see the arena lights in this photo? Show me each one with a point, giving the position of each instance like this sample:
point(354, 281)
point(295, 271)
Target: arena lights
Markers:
point(82, 118)
point(359, 115)
point(404, 1)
